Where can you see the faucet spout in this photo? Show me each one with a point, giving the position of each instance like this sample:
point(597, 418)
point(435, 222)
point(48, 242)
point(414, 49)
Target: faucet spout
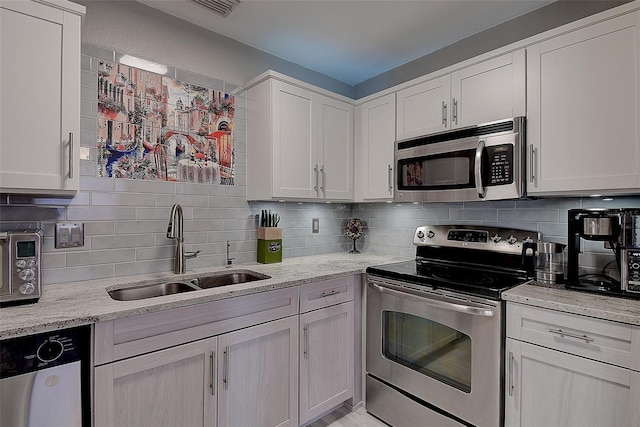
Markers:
point(174, 231)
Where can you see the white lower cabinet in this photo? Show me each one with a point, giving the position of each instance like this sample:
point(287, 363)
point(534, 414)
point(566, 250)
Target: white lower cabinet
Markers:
point(164, 388)
point(326, 359)
point(569, 370)
point(258, 375)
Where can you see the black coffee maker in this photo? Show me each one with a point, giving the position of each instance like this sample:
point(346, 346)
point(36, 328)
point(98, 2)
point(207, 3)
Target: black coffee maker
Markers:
point(602, 225)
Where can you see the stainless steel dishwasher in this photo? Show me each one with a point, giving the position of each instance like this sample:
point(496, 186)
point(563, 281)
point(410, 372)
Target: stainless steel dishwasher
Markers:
point(45, 379)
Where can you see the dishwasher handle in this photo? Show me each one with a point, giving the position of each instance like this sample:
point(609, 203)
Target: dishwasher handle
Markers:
point(439, 301)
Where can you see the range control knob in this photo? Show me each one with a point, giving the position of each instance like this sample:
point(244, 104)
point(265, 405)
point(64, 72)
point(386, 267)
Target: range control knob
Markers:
point(511, 239)
point(430, 234)
point(27, 274)
point(21, 263)
point(27, 288)
point(420, 234)
point(50, 351)
point(496, 238)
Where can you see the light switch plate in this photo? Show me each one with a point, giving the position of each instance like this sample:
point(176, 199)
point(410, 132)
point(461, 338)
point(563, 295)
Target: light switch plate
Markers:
point(69, 235)
point(315, 225)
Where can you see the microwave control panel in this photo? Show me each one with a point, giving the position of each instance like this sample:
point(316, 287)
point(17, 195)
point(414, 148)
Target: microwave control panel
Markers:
point(499, 170)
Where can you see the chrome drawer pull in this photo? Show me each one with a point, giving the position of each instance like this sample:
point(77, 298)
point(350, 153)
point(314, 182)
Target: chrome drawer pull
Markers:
point(306, 342)
point(225, 370)
point(331, 292)
point(511, 365)
point(563, 334)
point(212, 373)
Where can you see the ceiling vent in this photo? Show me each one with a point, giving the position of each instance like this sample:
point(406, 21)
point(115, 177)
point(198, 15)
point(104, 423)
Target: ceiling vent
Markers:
point(220, 7)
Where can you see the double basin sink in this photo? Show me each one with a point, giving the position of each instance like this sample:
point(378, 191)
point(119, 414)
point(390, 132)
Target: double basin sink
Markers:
point(173, 287)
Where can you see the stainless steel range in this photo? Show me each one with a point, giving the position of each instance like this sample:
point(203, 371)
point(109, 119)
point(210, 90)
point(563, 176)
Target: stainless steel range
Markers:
point(435, 326)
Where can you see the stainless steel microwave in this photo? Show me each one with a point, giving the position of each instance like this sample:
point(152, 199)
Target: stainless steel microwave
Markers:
point(484, 162)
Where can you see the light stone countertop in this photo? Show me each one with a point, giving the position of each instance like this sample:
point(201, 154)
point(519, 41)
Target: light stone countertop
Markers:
point(71, 304)
point(624, 310)
point(65, 305)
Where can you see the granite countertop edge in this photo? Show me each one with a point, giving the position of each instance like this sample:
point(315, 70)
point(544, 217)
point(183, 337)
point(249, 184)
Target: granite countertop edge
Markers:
point(66, 305)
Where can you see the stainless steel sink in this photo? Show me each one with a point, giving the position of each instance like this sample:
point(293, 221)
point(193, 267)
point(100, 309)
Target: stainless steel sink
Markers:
point(230, 278)
point(177, 287)
point(150, 291)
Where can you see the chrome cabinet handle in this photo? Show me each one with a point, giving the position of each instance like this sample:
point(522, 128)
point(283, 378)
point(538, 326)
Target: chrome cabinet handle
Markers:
point(444, 113)
point(563, 334)
point(322, 178)
point(390, 178)
point(511, 373)
point(532, 163)
point(482, 192)
point(70, 155)
point(315, 169)
point(331, 292)
point(225, 368)
point(306, 341)
point(454, 111)
point(433, 300)
point(212, 373)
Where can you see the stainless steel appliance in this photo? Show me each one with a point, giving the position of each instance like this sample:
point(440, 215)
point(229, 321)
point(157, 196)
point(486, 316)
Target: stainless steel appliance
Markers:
point(550, 262)
point(20, 260)
point(45, 379)
point(484, 162)
point(435, 327)
point(619, 229)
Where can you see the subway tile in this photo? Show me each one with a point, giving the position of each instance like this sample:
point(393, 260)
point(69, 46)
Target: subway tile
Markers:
point(96, 257)
point(97, 52)
point(123, 199)
point(76, 274)
point(122, 241)
point(219, 213)
point(474, 214)
point(184, 200)
point(529, 215)
point(144, 186)
point(97, 228)
point(136, 227)
point(97, 184)
point(53, 260)
point(155, 252)
point(147, 267)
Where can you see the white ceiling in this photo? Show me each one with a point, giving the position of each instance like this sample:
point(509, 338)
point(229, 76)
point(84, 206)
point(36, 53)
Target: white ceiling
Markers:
point(351, 40)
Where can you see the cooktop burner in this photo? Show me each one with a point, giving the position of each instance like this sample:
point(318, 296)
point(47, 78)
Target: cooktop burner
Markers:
point(451, 277)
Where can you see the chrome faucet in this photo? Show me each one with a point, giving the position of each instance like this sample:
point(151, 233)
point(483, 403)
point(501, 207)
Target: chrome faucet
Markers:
point(174, 231)
point(229, 260)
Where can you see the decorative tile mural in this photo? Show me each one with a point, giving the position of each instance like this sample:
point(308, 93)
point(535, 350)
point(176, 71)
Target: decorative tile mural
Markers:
point(155, 127)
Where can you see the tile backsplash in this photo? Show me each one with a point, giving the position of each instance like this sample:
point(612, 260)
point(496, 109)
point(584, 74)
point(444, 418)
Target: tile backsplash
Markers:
point(126, 220)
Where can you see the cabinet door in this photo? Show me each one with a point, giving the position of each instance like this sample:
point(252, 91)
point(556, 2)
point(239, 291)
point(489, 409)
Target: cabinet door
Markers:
point(375, 145)
point(423, 108)
point(258, 376)
point(488, 91)
point(583, 110)
point(40, 102)
point(335, 145)
point(294, 154)
point(326, 359)
point(170, 387)
point(551, 388)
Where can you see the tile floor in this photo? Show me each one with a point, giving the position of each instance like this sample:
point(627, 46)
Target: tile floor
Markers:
point(343, 417)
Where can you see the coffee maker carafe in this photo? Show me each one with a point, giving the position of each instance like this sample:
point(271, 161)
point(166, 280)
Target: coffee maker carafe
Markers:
point(601, 225)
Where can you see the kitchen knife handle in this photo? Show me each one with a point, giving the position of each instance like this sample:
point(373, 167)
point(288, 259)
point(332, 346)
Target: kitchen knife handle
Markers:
point(70, 155)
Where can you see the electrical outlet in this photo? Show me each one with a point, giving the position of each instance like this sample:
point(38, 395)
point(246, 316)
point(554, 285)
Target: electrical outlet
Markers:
point(69, 235)
point(315, 225)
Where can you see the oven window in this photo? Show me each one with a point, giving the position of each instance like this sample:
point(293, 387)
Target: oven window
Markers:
point(428, 347)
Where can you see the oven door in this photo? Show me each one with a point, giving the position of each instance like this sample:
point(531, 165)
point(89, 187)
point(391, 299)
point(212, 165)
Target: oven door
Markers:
point(439, 347)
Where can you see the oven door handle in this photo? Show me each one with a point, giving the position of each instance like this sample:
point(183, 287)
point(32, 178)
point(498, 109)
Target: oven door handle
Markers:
point(436, 301)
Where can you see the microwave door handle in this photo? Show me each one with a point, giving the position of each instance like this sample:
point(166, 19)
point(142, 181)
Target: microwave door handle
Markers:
point(482, 192)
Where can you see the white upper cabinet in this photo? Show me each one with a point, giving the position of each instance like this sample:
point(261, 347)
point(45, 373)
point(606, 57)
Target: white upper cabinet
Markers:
point(375, 139)
point(583, 111)
point(490, 90)
point(40, 102)
point(299, 143)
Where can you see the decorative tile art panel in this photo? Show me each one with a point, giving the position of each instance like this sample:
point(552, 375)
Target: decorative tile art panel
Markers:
point(155, 127)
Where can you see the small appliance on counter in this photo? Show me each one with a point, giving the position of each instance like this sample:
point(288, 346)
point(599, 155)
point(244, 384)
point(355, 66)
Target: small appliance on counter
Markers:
point(619, 230)
point(20, 260)
point(549, 261)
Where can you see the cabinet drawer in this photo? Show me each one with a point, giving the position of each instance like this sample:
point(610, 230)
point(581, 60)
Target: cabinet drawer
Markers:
point(597, 339)
point(123, 338)
point(328, 292)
